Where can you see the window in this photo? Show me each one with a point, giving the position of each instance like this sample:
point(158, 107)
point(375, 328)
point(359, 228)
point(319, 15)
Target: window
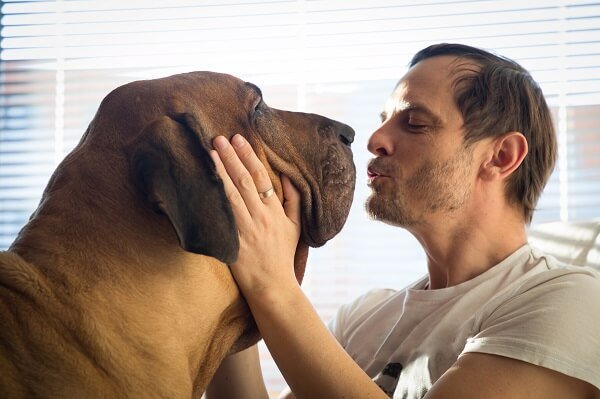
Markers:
point(339, 58)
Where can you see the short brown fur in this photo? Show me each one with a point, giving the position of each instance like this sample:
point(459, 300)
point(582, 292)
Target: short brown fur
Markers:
point(117, 286)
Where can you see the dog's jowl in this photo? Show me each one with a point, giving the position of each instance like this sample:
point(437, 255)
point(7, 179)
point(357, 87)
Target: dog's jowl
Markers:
point(118, 285)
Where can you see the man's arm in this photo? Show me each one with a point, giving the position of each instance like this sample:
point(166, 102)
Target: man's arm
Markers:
point(238, 377)
point(478, 375)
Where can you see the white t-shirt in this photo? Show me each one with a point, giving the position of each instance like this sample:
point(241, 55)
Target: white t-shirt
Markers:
point(528, 307)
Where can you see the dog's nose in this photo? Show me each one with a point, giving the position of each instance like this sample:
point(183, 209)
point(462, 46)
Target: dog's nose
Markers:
point(346, 134)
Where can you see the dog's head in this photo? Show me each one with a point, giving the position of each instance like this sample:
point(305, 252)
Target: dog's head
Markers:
point(181, 115)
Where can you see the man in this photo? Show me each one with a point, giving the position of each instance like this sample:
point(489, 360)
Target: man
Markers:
point(464, 150)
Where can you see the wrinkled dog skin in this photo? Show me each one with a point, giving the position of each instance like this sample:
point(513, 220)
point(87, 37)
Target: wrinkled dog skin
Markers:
point(118, 285)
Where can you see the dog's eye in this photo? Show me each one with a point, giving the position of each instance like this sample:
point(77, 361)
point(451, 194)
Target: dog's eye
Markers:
point(259, 105)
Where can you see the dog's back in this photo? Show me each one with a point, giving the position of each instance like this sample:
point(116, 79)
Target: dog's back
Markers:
point(29, 342)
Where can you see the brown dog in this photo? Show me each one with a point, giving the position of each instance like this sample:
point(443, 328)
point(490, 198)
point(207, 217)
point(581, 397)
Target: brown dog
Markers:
point(118, 285)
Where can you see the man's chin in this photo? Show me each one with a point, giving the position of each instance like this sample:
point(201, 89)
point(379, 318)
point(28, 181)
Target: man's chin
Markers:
point(386, 212)
point(377, 209)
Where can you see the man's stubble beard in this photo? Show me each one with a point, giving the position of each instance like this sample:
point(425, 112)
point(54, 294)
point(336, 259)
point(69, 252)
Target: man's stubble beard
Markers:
point(436, 187)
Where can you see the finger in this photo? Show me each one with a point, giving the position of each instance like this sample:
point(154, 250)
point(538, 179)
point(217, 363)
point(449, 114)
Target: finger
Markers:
point(238, 205)
point(291, 201)
point(238, 173)
point(255, 167)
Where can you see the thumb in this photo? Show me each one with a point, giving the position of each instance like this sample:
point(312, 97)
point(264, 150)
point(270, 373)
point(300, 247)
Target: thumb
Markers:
point(291, 200)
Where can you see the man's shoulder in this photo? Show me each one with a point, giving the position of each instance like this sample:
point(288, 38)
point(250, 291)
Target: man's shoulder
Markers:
point(363, 309)
point(378, 297)
point(557, 291)
point(559, 275)
point(368, 301)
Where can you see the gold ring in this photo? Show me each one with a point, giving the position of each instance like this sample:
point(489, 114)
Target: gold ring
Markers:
point(266, 194)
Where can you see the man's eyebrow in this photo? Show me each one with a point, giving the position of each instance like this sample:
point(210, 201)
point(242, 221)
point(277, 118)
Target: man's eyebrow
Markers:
point(418, 107)
point(415, 107)
point(254, 88)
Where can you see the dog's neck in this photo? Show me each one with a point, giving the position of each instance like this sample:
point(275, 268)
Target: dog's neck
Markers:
point(163, 311)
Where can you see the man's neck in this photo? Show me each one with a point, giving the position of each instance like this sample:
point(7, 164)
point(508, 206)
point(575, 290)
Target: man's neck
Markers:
point(458, 252)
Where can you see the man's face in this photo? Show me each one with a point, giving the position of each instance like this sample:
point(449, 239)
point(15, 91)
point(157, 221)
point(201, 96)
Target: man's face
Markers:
point(422, 169)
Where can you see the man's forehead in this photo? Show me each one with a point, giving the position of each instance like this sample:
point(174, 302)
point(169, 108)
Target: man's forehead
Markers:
point(406, 96)
point(428, 84)
point(396, 102)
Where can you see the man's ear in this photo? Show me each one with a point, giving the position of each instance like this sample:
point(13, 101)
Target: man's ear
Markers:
point(173, 168)
point(506, 154)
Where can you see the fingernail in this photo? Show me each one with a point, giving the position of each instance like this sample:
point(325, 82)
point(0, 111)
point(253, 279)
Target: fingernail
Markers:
point(238, 141)
point(220, 142)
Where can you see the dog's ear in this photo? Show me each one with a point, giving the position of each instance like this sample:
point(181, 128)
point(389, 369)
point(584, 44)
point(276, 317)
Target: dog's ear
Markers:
point(174, 169)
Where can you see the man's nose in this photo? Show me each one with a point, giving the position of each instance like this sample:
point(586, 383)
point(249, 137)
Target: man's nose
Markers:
point(379, 143)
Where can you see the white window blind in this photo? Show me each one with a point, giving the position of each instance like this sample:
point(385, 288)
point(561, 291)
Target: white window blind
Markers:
point(339, 58)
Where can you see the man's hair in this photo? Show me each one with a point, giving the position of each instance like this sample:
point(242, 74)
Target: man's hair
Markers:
point(495, 95)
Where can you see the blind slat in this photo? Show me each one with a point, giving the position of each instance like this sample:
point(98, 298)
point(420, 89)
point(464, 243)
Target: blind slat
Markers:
point(339, 58)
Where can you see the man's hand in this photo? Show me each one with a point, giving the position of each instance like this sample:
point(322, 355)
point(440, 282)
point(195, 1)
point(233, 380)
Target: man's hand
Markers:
point(268, 231)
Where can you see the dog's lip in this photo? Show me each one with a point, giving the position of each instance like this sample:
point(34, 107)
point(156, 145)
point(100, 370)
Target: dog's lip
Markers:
point(317, 225)
point(325, 195)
